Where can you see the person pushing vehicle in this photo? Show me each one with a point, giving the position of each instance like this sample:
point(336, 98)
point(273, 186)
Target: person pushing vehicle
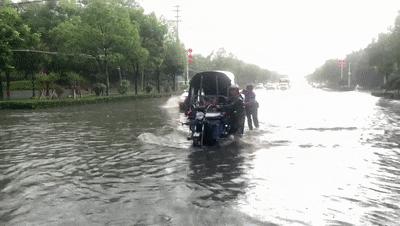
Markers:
point(236, 109)
point(251, 106)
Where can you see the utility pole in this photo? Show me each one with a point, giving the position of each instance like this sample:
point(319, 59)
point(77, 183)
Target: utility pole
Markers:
point(177, 20)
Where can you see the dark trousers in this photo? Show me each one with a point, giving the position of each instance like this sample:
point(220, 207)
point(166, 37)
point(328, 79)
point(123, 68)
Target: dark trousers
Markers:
point(237, 124)
point(252, 116)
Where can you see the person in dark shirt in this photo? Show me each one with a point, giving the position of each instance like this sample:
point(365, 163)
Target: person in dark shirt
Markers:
point(236, 111)
point(251, 106)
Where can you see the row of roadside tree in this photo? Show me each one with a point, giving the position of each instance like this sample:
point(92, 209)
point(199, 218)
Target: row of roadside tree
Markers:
point(376, 66)
point(98, 44)
point(87, 42)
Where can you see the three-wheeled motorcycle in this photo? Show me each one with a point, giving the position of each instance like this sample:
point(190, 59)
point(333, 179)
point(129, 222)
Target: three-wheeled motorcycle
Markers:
point(207, 120)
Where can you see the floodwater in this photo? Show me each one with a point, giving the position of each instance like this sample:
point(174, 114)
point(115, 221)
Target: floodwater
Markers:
point(318, 158)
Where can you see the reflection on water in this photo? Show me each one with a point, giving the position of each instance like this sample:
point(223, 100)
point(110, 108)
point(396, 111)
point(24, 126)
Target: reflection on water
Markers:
point(319, 158)
point(219, 172)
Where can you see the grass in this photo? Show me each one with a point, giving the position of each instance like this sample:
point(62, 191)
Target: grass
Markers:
point(46, 103)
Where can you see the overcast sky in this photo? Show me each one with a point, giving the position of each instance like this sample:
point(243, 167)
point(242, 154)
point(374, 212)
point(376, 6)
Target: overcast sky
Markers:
point(289, 36)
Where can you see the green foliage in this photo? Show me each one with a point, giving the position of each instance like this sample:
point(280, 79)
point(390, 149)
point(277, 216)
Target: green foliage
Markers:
point(245, 73)
point(86, 42)
point(74, 79)
point(124, 87)
point(47, 103)
point(393, 83)
point(13, 34)
point(369, 66)
point(59, 90)
point(20, 85)
point(47, 81)
point(17, 76)
point(99, 89)
point(104, 32)
point(328, 73)
point(148, 89)
point(174, 61)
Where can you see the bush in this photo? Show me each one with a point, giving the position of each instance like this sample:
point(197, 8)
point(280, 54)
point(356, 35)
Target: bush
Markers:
point(19, 85)
point(47, 103)
point(149, 88)
point(74, 79)
point(393, 84)
point(47, 81)
point(183, 86)
point(17, 76)
point(123, 88)
point(59, 90)
point(99, 89)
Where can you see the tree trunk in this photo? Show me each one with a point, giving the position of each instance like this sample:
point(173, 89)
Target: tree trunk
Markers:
point(107, 75)
point(142, 71)
point(136, 78)
point(33, 86)
point(8, 84)
point(174, 82)
point(1, 89)
point(47, 89)
point(120, 76)
point(384, 79)
point(158, 80)
point(74, 92)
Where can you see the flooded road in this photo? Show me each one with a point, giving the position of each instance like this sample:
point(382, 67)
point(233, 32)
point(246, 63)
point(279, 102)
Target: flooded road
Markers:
point(319, 158)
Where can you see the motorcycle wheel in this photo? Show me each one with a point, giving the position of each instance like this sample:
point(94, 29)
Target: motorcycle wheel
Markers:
point(206, 136)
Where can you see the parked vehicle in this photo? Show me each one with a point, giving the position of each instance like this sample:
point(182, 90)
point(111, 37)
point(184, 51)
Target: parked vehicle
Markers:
point(208, 93)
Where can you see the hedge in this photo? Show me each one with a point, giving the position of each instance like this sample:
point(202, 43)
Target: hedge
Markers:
point(19, 85)
point(387, 94)
point(38, 103)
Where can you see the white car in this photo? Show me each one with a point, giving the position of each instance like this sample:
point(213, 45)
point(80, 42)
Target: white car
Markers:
point(259, 86)
point(283, 86)
point(270, 86)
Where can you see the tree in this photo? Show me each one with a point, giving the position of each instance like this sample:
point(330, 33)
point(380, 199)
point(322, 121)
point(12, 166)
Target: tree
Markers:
point(175, 59)
point(13, 34)
point(222, 60)
point(378, 62)
point(381, 55)
point(153, 33)
point(103, 31)
point(94, 37)
point(47, 83)
point(43, 17)
point(75, 81)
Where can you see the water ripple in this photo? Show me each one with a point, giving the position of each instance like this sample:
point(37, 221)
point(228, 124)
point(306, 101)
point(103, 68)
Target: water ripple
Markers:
point(129, 163)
